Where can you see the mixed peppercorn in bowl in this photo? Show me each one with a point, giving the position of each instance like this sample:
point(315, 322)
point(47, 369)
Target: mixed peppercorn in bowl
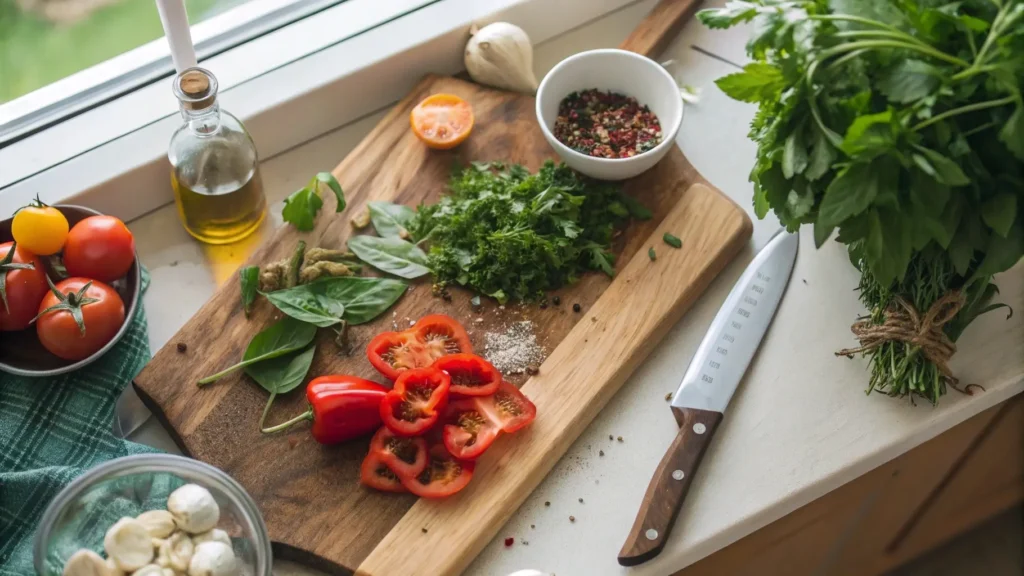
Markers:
point(610, 114)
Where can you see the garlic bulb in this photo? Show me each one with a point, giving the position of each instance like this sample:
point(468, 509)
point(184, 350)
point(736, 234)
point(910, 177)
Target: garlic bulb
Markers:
point(215, 535)
point(193, 508)
point(87, 563)
point(128, 544)
point(213, 559)
point(500, 55)
point(160, 523)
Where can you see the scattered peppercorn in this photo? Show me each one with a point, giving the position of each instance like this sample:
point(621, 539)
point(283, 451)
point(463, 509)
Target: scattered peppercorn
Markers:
point(606, 124)
point(543, 305)
point(668, 396)
point(532, 370)
point(600, 452)
point(581, 500)
point(619, 438)
point(532, 526)
point(593, 318)
point(424, 530)
point(526, 543)
point(576, 307)
point(182, 347)
point(610, 437)
point(557, 300)
point(572, 518)
point(547, 503)
point(509, 541)
point(446, 296)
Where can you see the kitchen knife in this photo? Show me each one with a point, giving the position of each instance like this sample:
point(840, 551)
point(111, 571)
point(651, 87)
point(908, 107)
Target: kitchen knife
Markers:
point(709, 382)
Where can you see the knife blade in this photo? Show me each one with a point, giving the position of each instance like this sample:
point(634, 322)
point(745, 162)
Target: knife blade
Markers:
point(707, 386)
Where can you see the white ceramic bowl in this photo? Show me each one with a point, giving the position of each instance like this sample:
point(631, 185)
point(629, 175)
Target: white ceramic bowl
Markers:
point(616, 71)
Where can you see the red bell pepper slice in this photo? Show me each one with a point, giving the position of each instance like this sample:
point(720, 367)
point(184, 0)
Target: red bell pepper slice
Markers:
point(444, 476)
point(471, 375)
point(406, 457)
point(341, 407)
point(414, 404)
point(376, 474)
point(418, 347)
point(473, 423)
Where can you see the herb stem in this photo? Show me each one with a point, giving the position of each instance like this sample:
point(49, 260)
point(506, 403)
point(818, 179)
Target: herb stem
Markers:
point(965, 109)
point(857, 19)
point(848, 46)
point(882, 34)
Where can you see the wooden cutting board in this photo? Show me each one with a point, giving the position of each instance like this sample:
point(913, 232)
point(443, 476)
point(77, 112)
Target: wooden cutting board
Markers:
point(315, 509)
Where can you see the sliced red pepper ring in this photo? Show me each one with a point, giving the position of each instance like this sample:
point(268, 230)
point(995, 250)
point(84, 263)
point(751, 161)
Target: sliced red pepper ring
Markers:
point(406, 457)
point(444, 476)
point(376, 474)
point(471, 375)
point(414, 404)
point(509, 408)
point(468, 431)
point(418, 347)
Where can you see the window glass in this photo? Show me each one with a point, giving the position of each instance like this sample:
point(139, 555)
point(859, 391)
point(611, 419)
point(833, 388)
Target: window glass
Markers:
point(42, 41)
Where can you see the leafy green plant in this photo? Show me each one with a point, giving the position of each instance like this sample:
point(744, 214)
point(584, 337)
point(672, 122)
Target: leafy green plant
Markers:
point(329, 301)
point(510, 234)
point(249, 278)
point(301, 208)
point(391, 220)
point(899, 124)
point(391, 255)
point(282, 337)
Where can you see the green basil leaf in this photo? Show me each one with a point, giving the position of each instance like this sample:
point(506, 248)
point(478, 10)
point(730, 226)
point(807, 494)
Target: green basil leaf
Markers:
point(391, 220)
point(821, 233)
point(332, 183)
point(926, 193)
point(758, 81)
point(1012, 133)
point(822, 156)
point(249, 277)
point(364, 298)
point(282, 337)
point(307, 304)
point(849, 194)
point(794, 154)
point(391, 255)
point(999, 212)
point(943, 169)
point(888, 245)
point(909, 80)
point(300, 209)
point(1002, 253)
point(869, 135)
point(636, 209)
point(284, 373)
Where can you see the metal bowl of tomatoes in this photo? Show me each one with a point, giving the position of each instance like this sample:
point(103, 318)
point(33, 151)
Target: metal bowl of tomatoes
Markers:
point(22, 351)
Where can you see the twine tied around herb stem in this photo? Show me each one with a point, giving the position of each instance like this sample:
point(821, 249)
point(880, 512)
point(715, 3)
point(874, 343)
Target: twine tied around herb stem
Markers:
point(903, 323)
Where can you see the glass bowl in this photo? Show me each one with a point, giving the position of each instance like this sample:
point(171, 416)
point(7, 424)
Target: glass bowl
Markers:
point(81, 513)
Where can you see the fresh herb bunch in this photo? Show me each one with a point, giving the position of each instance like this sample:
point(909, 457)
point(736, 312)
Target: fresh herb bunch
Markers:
point(510, 234)
point(900, 124)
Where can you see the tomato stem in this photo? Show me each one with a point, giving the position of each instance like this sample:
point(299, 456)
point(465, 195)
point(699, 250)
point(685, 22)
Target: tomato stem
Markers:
point(72, 303)
point(6, 265)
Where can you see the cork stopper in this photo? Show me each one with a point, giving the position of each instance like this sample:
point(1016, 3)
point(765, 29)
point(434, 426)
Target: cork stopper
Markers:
point(195, 88)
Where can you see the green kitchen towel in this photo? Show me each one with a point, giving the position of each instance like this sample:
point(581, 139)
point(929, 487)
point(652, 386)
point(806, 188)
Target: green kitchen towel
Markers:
point(54, 429)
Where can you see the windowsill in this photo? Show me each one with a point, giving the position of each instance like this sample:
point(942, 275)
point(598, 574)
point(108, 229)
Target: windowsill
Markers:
point(288, 87)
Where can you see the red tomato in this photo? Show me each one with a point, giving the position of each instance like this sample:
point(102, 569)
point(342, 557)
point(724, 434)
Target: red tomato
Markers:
point(102, 314)
point(444, 475)
point(418, 347)
point(99, 247)
point(375, 474)
point(406, 457)
point(22, 287)
point(414, 404)
point(471, 375)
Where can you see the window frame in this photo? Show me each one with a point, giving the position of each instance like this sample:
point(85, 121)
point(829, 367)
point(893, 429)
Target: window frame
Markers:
point(124, 172)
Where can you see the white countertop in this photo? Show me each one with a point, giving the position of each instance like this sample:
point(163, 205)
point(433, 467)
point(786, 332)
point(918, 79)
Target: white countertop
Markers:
point(800, 424)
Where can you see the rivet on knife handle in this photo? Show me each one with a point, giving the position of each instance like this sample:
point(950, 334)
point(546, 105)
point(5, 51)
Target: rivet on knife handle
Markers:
point(669, 485)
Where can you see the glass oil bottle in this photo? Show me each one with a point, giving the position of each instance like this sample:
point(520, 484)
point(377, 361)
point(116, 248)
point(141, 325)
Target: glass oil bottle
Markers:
point(214, 165)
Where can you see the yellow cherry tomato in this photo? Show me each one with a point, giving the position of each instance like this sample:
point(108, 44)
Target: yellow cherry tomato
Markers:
point(41, 230)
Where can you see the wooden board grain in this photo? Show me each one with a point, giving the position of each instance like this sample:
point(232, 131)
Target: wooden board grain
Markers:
point(314, 507)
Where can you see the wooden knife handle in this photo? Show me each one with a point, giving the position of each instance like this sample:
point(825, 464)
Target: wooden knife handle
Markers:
point(669, 485)
point(660, 27)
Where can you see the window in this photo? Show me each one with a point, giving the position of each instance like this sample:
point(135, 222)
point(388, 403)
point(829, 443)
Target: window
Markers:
point(61, 57)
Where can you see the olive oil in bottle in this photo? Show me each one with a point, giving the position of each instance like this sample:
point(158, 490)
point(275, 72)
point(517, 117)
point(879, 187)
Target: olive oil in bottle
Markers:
point(214, 166)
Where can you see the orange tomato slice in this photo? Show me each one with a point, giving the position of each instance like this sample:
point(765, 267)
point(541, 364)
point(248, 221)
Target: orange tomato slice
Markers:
point(442, 121)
